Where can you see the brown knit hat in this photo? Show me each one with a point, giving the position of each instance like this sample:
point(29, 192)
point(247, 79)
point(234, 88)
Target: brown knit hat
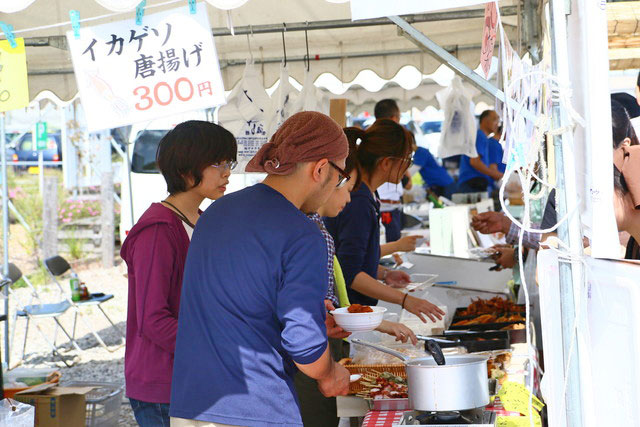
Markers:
point(307, 136)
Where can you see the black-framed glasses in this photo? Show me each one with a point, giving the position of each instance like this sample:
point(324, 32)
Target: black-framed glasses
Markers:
point(228, 165)
point(343, 177)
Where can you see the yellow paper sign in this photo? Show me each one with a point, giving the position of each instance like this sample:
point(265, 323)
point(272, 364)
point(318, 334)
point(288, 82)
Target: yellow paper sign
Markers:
point(515, 398)
point(14, 90)
point(504, 421)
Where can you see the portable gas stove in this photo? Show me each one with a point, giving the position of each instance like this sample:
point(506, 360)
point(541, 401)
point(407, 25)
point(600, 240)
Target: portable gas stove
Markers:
point(473, 417)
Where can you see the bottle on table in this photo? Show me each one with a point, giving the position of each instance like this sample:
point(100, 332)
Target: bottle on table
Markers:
point(74, 284)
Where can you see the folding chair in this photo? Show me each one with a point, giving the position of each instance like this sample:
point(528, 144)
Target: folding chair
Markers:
point(57, 266)
point(34, 312)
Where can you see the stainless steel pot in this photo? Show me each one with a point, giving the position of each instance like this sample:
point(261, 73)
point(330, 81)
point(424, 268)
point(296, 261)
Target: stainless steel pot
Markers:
point(460, 384)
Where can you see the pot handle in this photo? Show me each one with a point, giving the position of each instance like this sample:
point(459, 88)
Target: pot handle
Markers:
point(438, 340)
point(432, 347)
point(383, 349)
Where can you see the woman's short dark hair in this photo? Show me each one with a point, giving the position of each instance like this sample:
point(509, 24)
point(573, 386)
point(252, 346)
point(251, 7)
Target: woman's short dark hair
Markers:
point(189, 148)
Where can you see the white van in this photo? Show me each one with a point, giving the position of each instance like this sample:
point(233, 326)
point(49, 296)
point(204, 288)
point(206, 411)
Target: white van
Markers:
point(147, 184)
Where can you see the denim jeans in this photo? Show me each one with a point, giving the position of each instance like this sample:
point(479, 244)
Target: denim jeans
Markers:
point(150, 414)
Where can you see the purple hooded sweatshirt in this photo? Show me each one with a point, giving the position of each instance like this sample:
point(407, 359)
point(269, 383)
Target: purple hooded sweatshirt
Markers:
point(155, 251)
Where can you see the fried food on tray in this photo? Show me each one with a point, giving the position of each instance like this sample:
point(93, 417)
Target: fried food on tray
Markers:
point(512, 318)
point(514, 327)
point(493, 305)
point(480, 320)
point(383, 385)
point(358, 308)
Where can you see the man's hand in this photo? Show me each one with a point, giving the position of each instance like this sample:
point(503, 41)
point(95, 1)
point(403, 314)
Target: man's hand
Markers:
point(421, 307)
point(336, 383)
point(333, 330)
point(397, 279)
point(491, 222)
point(505, 256)
point(407, 243)
point(398, 330)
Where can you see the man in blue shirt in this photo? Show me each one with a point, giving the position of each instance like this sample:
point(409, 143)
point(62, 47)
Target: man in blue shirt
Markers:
point(476, 174)
point(252, 307)
point(496, 153)
point(436, 177)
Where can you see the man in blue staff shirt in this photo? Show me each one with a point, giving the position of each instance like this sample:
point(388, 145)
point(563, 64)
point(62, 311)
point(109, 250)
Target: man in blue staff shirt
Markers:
point(496, 152)
point(476, 174)
point(435, 176)
point(252, 307)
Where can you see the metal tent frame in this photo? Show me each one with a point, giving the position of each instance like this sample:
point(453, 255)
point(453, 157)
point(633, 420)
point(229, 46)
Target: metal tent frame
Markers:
point(564, 167)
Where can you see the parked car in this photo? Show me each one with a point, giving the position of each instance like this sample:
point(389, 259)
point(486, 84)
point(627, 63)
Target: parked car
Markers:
point(23, 150)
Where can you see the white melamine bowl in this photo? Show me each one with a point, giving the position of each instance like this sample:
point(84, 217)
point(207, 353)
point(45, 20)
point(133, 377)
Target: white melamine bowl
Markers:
point(358, 322)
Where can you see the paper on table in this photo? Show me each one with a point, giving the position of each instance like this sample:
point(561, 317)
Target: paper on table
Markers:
point(440, 232)
point(448, 229)
point(460, 224)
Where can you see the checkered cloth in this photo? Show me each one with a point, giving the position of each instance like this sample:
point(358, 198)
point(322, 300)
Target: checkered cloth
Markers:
point(529, 240)
point(382, 418)
point(331, 251)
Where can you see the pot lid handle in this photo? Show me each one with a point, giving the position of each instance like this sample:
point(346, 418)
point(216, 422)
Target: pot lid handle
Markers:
point(432, 347)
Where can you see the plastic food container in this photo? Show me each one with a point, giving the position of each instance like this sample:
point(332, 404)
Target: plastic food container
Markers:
point(358, 322)
point(103, 402)
point(420, 282)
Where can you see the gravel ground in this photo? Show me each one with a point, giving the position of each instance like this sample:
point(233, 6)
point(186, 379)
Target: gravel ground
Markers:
point(94, 363)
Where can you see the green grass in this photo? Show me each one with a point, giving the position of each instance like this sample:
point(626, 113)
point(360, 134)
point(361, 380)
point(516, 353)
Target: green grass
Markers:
point(37, 278)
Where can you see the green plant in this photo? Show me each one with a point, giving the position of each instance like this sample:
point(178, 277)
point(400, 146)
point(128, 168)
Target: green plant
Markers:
point(28, 202)
point(74, 209)
point(75, 246)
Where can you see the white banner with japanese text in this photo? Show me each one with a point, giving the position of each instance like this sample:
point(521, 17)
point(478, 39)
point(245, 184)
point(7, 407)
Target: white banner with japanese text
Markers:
point(130, 73)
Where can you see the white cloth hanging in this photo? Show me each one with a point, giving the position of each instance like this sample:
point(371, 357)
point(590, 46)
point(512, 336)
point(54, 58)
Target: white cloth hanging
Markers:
point(311, 98)
point(246, 114)
point(282, 101)
point(459, 126)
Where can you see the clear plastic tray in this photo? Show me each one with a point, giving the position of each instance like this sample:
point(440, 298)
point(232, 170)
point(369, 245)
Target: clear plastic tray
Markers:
point(420, 282)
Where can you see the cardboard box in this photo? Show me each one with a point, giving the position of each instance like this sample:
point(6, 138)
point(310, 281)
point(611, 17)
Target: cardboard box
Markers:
point(56, 406)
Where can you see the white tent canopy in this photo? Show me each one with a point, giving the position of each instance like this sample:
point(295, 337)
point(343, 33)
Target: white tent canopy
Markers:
point(333, 47)
point(360, 99)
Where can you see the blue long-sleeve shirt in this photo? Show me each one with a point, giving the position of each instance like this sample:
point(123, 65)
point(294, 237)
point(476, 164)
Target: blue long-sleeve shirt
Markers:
point(356, 232)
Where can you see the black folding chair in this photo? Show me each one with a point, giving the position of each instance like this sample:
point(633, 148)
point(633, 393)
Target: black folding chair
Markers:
point(57, 266)
point(33, 312)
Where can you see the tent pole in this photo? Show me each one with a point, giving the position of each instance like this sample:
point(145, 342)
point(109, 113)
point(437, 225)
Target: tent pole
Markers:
point(130, 187)
point(570, 275)
point(60, 42)
point(5, 232)
point(432, 48)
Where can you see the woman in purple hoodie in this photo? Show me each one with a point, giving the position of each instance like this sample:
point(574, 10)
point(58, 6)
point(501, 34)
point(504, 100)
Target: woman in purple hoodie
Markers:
point(196, 159)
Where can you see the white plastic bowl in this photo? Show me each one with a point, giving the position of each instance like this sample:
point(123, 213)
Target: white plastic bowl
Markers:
point(358, 322)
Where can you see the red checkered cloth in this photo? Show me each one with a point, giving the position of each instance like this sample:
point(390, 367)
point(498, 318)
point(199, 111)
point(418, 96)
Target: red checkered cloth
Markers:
point(382, 418)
